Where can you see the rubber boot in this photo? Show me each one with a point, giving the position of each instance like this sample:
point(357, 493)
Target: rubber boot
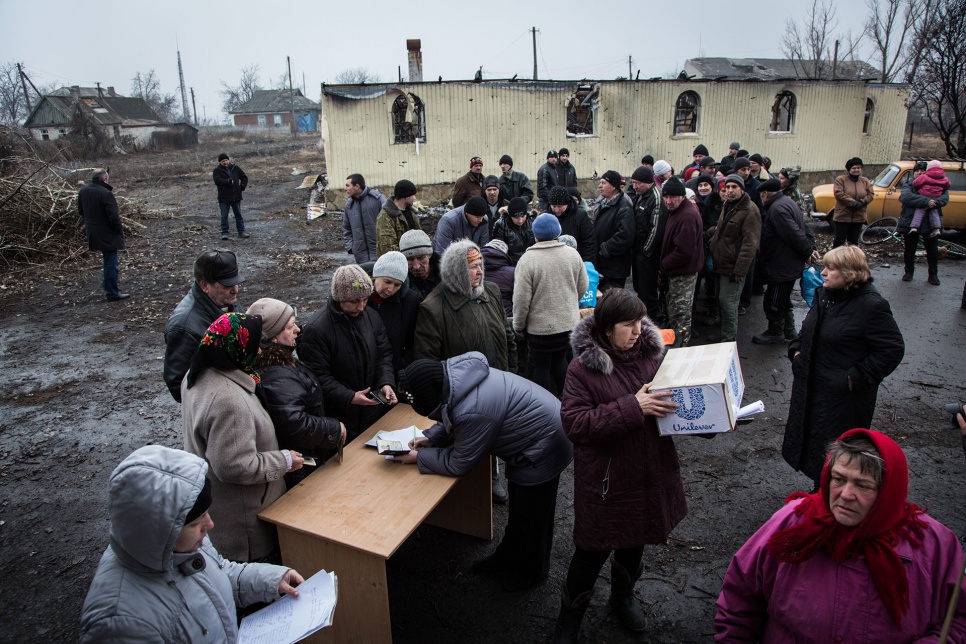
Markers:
point(499, 489)
point(791, 331)
point(622, 596)
point(775, 334)
point(571, 615)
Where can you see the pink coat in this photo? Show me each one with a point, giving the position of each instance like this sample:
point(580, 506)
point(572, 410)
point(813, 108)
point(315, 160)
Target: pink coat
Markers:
point(933, 183)
point(763, 599)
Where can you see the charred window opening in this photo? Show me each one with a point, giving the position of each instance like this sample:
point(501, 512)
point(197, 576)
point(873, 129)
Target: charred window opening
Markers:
point(783, 112)
point(408, 119)
point(582, 110)
point(869, 109)
point(686, 113)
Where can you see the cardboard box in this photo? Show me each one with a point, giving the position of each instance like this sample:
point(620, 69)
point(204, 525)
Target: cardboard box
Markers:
point(707, 386)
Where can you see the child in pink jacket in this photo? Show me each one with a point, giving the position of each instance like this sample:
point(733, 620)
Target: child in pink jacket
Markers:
point(933, 183)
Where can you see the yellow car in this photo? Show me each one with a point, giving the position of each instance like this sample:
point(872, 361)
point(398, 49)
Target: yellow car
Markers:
point(888, 186)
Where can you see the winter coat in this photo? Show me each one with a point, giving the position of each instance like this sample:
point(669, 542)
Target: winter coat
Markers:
point(848, 192)
point(766, 600)
point(182, 334)
point(932, 183)
point(566, 174)
point(498, 269)
point(143, 591)
point(493, 213)
point(546, 179)
point(682, 250)
point(577, 224)
point(102, 220)
point(295, 403)
point(711, 211)
point(469, 185)
point(751, 189)
point(846, 334)
point(359, 225)
point(614, 226)
point(348, 354)
point(224, 422)
point(550, 279)
point(488, 411)
point(398, 315)
point(911, 200)
point(518, 238)
point(453, 320)
point(786, 241)
point(454, 226)
point(734, 240)
point(231, 182)
point(650, 217)
point(391, 223)
point(516, 185)
point(615, 442)
point(423, 287)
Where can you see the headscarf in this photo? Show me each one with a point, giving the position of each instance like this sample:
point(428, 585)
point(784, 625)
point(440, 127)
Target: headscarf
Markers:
point(231, 342)
point(890, 519)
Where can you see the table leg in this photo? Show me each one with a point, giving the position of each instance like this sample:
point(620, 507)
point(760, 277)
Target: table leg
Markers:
point(468, 508)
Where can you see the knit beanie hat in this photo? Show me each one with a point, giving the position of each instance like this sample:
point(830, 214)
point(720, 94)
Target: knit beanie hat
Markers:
point(743, 162)
point(703, 178)
point(564, 151)
point(475, 206)
point(559, 196)
point(734, 145)
point(506, 159)
point(491, 181)
point(222, 156)
point(733, 178)
point(423, 379)
point(404, 188)
point(552, 154)
point(574, 192)
point(935, 163)
point(613, 178)
point(202, 503)
point(920, 165)
point(757, 158)
point(516, 206)
point(853, 161)
point(673, 188)
point(275, 315)
point(647, 159)
point(546, 227)
point(643, 174)
point(393, 265)
point(476, 161)
point(569, 240)
point(415, 243)
point(700, 150)
point(661, 167)
point(688, 193)
point(350, 283)
point(742, 153)
point(499, 245)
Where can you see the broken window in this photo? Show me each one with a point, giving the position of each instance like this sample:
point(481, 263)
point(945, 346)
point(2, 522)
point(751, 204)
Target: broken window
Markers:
point(582, 110)
point(408, 119)
point(276, 119)
point(783, 112)
point(45, 135)
point(869, 109)
point(686, 113)
point(261, 119)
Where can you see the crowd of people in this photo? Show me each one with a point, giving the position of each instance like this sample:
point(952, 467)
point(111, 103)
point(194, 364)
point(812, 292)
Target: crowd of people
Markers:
point(493, 328)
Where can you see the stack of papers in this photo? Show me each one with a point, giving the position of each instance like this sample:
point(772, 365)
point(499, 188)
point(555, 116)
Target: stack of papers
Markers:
point(292, 619)
point(404, 436)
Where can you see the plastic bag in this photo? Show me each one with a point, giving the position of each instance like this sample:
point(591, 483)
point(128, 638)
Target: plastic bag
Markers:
point(589, 298)
point(811, 280)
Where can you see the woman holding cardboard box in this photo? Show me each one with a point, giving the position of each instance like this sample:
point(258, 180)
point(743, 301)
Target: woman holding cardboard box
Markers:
point(627, 481)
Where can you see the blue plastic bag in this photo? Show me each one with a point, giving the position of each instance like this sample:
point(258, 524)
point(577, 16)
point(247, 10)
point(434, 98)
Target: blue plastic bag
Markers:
point(589, 298)
point(811, 280)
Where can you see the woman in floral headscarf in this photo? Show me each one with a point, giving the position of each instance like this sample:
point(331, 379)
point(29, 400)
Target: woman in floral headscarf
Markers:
point(225, 423)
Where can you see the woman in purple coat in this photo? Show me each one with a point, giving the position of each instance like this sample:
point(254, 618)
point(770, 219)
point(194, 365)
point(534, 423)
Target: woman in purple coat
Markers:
point(627, 482)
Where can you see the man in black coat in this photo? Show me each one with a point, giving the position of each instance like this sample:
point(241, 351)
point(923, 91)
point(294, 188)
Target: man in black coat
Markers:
point(98, 209)
point(786, 244)
point(546, 179)
point(650, 217)
point(615, 228)
point(574, 222)
point(231, 181)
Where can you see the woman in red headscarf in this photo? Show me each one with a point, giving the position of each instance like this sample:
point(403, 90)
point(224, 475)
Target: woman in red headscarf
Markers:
point(853, 562)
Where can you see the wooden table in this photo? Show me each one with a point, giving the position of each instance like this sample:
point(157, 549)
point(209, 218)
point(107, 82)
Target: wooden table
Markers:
point(351, 517)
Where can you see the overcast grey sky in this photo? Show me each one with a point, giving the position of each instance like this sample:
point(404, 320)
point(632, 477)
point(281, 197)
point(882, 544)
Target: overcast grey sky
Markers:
point(80, 43)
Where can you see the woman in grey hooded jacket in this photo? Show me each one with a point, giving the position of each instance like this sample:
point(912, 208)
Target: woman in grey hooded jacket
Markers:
point(161, 580)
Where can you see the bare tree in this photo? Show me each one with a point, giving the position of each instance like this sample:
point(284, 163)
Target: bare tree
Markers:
point(940, 80)
point(892, 26)
point(13, 105)
point(148, 87)
point(356, 76)
point(810, 45)
point(234, 95)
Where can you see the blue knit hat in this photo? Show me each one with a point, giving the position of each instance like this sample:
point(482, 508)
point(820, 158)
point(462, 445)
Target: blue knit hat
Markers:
point(546, 227)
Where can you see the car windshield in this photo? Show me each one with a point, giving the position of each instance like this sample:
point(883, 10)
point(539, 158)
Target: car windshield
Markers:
point(884, 180)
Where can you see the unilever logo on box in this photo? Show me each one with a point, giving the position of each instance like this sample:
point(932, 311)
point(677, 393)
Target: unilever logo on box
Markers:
point(691, 410)
point(734, 381)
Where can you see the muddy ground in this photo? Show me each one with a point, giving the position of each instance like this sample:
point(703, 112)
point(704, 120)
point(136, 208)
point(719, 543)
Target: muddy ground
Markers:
point(84, 389)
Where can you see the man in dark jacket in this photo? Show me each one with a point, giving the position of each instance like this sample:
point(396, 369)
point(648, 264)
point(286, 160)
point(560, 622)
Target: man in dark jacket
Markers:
point(513, 183)
point(494, 201)
point(214, 292)
point(362, 207)
point(463, 222)
point(650, 217)
point(546, 179)
point(102, 220)
point(566, 172)
point(231, 182)
point(786, 244)
point(470, 184)
point(574, 222)
point(396, 217)
point(481, 411)
point(614, 226)
point(911, 200)
point(682, 255)
point(423, 262)
point(733, 242)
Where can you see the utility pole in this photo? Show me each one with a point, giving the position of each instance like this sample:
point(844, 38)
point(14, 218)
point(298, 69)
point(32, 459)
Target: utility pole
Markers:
point(534, 31)
point(630, 74)
point(291, 96)
point(303, 84)
point(184, 94)
point(835, 59)
point(26, 96)
point(194, 107)
point(399, 72)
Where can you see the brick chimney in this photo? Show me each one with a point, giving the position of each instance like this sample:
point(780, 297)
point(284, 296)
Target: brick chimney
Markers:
point(415, 60)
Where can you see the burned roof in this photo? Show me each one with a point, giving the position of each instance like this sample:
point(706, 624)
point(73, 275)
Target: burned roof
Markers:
point(276, 100)
point(775, 69)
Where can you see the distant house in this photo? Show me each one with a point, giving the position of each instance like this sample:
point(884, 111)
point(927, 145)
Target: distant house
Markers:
point(775, 69)
point(122, 117)
point(272, 108)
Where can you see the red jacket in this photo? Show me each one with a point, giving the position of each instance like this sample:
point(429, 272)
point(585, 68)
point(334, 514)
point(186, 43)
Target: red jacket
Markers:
point(682, 251)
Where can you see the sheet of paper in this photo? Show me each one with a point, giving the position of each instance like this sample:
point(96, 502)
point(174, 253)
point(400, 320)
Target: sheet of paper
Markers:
point(308, 460)
point(291, 619)
point(749, 410)
point(404, 435)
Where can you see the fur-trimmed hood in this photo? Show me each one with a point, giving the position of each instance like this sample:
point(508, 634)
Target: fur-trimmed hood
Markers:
point(594, 356)
point(454, 271)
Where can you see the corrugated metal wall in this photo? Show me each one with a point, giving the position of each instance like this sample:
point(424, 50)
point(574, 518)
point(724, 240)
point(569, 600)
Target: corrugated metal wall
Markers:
point(526, 119)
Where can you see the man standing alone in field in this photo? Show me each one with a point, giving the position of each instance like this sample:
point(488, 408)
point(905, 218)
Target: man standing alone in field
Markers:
point(231, 181)
point(98, 208)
